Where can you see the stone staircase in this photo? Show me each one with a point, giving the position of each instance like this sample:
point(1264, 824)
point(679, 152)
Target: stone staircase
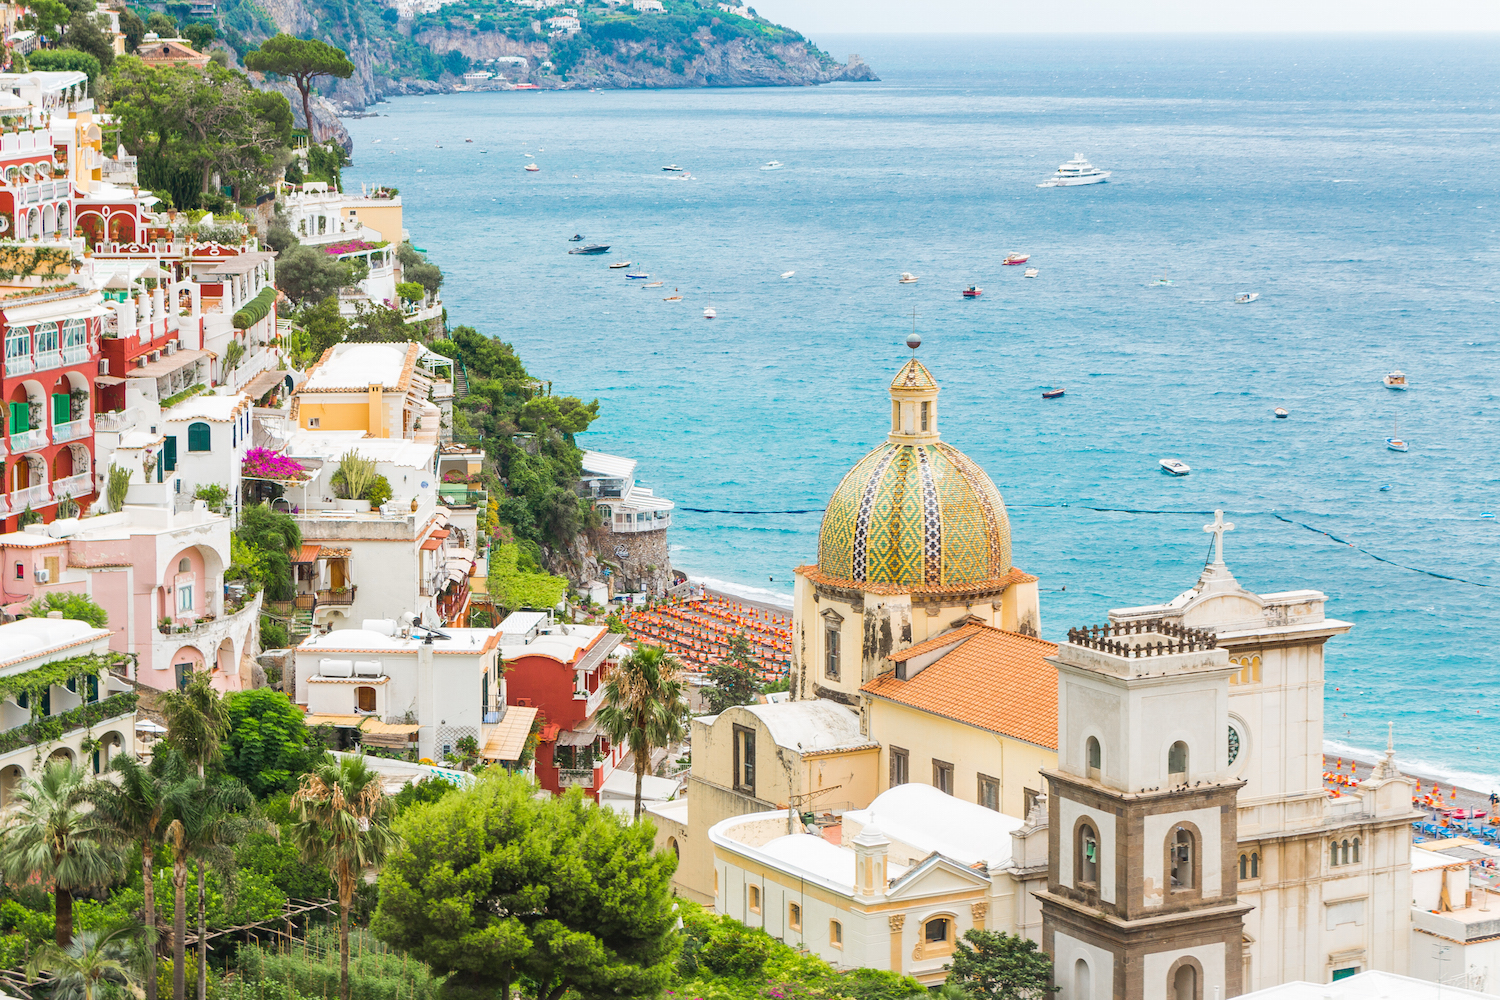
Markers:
point(460, 379)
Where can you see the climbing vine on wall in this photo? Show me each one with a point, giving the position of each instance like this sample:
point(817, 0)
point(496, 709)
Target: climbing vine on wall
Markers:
point(20, 261)
point(33, 682)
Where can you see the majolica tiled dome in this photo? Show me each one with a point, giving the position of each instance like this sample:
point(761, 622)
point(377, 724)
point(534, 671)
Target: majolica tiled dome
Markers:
point(915, 513)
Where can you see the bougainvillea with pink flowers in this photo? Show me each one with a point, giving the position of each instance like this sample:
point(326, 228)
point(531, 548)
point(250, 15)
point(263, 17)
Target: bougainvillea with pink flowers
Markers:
point(348, 246)
point(263, 463)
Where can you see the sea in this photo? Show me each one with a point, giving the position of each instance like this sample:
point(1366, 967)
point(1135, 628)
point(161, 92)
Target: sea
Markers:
point(1352, 182)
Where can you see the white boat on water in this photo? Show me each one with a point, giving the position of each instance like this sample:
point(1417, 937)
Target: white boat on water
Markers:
point(532, 168)
point(709, 312)
point(1175, 466)
point(1394, 442)
point(1161, 282)
point(773, 165)
point(1031, 272)
point(1395, 380)
point(907, 278)
point(672, 168)
point(1245, 297)
point(1074, 173)
point(787, 274)
point(618, 265)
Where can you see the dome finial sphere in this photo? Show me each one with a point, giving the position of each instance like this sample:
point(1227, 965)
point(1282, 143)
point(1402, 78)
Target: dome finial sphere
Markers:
point(913, 340)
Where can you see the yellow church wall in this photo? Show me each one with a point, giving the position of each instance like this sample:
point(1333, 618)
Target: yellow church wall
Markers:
point(972, 751)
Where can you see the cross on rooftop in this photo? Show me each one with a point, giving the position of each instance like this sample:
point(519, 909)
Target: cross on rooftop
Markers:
point(1217, 529)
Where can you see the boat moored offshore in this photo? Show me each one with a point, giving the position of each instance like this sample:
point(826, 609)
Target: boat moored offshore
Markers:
point(1074, 173)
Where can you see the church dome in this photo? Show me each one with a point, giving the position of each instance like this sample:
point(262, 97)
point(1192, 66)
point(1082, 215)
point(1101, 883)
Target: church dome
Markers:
point(915, 514)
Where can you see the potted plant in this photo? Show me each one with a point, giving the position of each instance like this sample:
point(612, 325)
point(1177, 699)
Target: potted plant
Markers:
point(164, 625)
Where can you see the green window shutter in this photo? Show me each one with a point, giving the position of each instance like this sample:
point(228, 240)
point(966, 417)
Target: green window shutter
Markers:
point(20, 418)
point(200, 437)
point(60, 408)
point(169, 454)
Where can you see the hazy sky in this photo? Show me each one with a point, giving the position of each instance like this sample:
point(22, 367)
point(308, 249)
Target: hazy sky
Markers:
point(1093, 16)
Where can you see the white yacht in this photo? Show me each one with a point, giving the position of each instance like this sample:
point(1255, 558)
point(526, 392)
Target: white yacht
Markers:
point(1075, 172)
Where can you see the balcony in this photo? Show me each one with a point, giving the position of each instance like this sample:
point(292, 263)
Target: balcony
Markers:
point(21, 365)
point(75, 355)
point(641, 521)
point(70, 431)
point(569, 777)
point(459, 495)
point(75, 486)
point(591, 699)
point(28, 440)
point(48, 359)
point(345, 596)
point(115, 421)
point(32, 496)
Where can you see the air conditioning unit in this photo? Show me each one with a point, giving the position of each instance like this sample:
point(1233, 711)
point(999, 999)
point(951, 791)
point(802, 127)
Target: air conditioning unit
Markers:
point(43, 576)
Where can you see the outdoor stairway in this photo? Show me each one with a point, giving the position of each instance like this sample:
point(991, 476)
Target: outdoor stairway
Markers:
point(460, 379)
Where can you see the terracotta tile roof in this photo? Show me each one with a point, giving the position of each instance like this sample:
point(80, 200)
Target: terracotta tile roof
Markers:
point(992, 679)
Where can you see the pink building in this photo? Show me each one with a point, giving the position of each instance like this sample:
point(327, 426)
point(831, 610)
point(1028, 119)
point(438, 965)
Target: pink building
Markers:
point(159, 574)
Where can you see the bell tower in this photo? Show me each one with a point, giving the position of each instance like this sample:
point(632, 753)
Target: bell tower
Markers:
point(1141, 893)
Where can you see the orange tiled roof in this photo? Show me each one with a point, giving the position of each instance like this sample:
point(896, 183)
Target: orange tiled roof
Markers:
point(992, 679)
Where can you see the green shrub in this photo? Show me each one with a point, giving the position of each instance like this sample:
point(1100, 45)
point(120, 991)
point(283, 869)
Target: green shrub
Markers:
point(273, 635)
point(379, 491)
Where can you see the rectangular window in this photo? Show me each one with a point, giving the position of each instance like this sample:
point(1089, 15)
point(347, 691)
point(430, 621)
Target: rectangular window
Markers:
point(900, 766)
point(924, 415)
point(835, 933)
point(755, 899)
point(744, 760)
point(831, 653)
point(989, 792)
point(185, 597)
point(46, 338)
point(942, 776)
point(794, 916)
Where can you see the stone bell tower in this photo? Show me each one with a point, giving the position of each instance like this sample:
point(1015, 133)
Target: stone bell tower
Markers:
point(1141, 899)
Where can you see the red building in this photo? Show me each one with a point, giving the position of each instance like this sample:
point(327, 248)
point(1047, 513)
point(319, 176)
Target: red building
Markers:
point(560, 670)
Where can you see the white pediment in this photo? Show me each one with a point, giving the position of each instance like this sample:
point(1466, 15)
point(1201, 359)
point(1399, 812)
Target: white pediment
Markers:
point(936, 875)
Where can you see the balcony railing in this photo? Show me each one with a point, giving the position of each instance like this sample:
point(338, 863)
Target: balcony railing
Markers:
point(345, 596)
point(32, 496)
point(28, 440)
point(75, 355)
point(567, 777)
point(645, 522)
point(115, 420)
point(71, 430)
point(459, 495)
point(20, 365)
point(78, 485)
point(48, 359)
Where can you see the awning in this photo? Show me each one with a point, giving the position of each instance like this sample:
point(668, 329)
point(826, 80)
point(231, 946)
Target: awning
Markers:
point(263, 383)
point(507, 741)
point(339, 721)
point(549, 732)
point(108, 380)
point(431, 544)
point(574, 739)
point(308, 553)
point(166, 366)
point(441, 533)
point(373, 725)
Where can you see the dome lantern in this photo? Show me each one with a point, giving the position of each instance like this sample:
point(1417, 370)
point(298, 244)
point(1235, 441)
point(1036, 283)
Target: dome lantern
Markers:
point(914, 405)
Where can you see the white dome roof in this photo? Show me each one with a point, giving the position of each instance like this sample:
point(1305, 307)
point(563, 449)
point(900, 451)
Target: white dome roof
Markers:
point(353, 638)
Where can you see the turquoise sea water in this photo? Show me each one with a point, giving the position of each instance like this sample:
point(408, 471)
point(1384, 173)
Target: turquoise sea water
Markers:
point(1352, 183)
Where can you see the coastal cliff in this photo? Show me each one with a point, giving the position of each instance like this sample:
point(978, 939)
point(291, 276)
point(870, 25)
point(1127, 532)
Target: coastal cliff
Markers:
point(500, 45)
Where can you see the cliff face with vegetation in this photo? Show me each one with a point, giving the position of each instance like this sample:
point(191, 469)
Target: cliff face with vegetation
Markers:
point(691, 43)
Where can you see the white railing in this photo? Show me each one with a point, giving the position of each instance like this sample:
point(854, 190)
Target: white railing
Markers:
point(28, 440)
point(48, 359)
point(80, 485)
point(622, 526)
point(32, 496)
point(71, 430)
point(115, 420)
point(20, 365)
point(75, 355)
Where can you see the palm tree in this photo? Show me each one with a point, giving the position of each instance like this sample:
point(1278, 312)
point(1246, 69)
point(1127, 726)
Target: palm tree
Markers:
point(343, 822)
point(204, 827)
point(644, 707)
point(137, 809)
point(197, 722)
point(92, 958)
point(54, 835)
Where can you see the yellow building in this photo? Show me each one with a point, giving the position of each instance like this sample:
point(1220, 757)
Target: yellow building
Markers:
point(375, 388)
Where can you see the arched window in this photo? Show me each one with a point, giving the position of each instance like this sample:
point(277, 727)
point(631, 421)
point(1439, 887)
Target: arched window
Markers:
point(1255, 865)
point(1095, 757)
point(1177, 763)
point(1185, 983)
point(677, 853)
point(1356, 850)
point(835, 933)
point(755, 899)
point(1345, 852)
point(1244, 866)
point(1088, 856)
point(184, 566)
point(200, 438)
point(1183, 857)
point(794, 916)
point(1083, 986)
point(1333, 854)
point(937, 937)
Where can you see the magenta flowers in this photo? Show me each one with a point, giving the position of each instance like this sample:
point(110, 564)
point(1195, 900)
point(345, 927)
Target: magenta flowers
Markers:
point(263, 463)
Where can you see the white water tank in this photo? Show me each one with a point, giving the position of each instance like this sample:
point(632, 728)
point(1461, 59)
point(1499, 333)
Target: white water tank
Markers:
point(369, 668)
point(335, 668)
point(385, 626)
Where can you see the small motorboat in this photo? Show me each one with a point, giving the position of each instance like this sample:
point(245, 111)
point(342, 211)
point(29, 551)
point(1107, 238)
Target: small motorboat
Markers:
point(907, 278)
point(641, 276)
point(1053, 394)
point(1281, 413)
point(592, 248)
point(1245, 297)
point(973, 292)
point(1395, 380)
point(1161, 282)
point(672, 298)
point(1394, 442)
point(787, 274)
point(1175, 467)
point(1016, 258)
point(619, 264)
point(773, 165)
point(532, 168)
point(466, 140)
point(576, 238)
point(653, 284)
point(1385, 489)
point(1031, 272)
point(672, 168)
point(709, 312)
